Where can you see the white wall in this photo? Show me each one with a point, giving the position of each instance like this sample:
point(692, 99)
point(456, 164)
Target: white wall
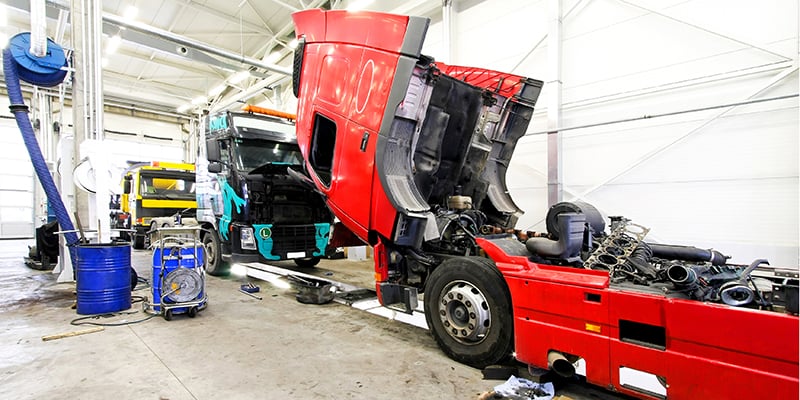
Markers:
point(21, 211)
point(724, 178)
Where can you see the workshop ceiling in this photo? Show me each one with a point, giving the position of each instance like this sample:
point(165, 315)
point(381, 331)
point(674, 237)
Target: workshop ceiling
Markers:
point(147, 67)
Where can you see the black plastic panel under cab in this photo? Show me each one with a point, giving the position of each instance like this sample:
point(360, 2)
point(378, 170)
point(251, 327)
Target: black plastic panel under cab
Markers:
point(449, 137)
point(464, 145)
point(446, 133)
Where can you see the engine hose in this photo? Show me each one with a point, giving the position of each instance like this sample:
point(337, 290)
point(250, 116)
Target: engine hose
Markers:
point(688, 253)
point(20, 111)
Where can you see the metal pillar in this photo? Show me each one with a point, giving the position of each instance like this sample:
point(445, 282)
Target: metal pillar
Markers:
point(447, 30)
point(553, 101)
point(87, 108)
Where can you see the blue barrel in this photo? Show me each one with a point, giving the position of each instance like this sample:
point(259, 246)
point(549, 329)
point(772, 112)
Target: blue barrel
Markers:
point(174, 257)
point(103, 275)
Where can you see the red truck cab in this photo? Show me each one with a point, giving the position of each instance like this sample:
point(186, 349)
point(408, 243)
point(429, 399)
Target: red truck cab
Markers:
point(411, 155)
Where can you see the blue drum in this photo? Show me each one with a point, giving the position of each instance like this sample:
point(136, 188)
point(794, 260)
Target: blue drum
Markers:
point(103, 278)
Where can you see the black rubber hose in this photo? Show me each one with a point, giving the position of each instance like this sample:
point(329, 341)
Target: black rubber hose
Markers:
point(687, 253)
point(34, 151)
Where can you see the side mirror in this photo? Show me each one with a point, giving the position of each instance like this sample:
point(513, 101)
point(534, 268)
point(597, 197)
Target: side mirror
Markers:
point(215, 167)
point(212, 150)
point(126, 184)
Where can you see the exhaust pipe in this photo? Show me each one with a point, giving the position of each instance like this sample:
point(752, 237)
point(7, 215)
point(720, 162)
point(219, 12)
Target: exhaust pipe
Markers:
point(559, 364)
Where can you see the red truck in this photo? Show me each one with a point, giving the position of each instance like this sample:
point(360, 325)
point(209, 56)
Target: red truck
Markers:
point(411, 155)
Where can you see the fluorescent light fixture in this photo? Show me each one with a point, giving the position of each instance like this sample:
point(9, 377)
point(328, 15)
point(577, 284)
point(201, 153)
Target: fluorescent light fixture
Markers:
point(274, 56)
point(130, 13)
point(216, 90)
point(199, 100)
point(183, 108)
point(113, 44)
point(293, 44)
point(357, 5)
point(104, 62)
point(239, 76)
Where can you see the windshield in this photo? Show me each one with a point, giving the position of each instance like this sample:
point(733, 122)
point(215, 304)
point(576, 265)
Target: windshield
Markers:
point(166, 186)
point(251, 154)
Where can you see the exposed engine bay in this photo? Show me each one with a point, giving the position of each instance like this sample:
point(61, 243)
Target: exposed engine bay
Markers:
point(577, 237)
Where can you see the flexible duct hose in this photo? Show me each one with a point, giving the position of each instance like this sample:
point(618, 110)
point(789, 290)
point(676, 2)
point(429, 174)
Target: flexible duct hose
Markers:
point(20, 111)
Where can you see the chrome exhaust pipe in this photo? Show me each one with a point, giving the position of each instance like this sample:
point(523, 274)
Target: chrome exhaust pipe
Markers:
point(736, 294)
point(559, 364)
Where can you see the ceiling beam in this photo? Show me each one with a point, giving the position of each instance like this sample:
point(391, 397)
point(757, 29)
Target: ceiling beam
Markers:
point(192, 43)
point(230, 18)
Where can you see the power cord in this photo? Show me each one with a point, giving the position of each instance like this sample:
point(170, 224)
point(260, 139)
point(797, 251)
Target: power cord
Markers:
point(88, 320)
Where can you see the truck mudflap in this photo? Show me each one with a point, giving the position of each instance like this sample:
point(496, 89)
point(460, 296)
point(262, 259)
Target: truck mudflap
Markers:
point(645, 343)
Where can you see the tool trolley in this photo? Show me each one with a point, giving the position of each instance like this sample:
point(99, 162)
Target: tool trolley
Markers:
point(178, 281)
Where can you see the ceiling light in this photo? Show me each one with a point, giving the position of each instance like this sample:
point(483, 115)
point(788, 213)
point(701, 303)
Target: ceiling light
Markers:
point(183, 108)
point(104, 62)
point(217, 90)
point(358, 5)
point(130, 13)
point(293, 44)
point(113, 44)
point(239, 76)
point(199, 100)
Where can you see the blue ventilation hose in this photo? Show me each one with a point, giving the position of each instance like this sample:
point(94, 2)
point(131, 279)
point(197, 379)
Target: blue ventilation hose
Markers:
point(43, 73)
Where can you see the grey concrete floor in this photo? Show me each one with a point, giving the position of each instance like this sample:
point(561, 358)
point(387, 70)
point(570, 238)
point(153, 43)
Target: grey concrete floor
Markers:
point(238, 348)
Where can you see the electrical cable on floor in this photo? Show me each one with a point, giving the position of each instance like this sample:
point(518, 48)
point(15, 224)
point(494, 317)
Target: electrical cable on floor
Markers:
point(87, 319)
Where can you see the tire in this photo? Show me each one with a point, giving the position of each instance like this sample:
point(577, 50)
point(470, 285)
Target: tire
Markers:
point(460, 293)
point(168, 315)
point(214, 264)
point(306, 262)
point(138, 241)
point(192, 312)
point(134, 279)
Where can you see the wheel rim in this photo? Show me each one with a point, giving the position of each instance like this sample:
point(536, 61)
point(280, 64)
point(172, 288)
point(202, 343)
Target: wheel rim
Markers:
point(464, 312)
point(211, 254)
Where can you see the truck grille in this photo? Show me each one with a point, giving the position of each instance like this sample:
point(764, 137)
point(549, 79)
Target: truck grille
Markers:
point(293, 238)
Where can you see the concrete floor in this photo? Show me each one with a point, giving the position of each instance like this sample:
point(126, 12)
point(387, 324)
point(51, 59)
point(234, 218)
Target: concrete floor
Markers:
point(238, 348)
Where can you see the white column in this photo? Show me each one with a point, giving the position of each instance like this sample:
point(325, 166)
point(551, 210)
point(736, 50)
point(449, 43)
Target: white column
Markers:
point(553, 101)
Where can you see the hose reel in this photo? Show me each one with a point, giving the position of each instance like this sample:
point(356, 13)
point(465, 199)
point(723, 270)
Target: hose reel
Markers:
point(182, 285)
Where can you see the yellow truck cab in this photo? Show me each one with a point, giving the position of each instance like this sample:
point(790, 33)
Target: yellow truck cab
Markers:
point(153, 195)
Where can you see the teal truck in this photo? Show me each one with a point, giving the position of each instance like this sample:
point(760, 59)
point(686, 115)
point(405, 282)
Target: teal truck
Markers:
point(250, 204)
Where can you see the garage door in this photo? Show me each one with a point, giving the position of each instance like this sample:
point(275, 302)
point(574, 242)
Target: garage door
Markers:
point(16, 184)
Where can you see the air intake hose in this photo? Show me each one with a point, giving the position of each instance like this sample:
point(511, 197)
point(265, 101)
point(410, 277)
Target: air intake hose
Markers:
point(41, 73)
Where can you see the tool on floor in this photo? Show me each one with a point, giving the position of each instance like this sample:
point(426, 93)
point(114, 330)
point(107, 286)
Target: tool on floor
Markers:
point(250, 288)
point(73, 333)
point(251, 294)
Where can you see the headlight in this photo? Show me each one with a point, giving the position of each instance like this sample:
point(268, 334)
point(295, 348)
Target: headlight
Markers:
point(247, 239)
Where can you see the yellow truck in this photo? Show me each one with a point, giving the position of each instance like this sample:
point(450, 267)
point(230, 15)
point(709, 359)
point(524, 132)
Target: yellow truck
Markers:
point(155, 195)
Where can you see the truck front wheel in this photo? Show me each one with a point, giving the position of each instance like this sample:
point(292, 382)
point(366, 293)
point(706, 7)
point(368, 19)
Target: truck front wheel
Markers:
point(214, 264)
point(468, 310)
